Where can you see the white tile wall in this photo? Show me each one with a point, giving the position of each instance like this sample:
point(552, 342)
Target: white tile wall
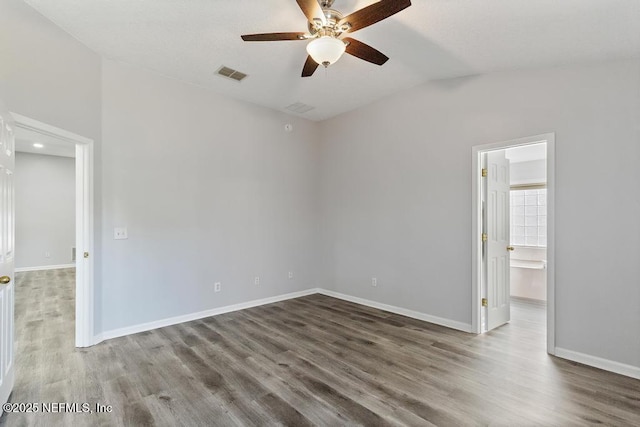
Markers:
point(529, 217)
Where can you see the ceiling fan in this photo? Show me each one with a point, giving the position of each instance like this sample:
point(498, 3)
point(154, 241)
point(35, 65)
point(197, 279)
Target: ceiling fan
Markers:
point(327, 28)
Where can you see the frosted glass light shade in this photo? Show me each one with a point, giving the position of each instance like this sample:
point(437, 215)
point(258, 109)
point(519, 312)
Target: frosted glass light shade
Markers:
point(326, 50)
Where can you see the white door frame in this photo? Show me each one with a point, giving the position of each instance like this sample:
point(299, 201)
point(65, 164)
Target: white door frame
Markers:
point(84, 222)
point(476, 229)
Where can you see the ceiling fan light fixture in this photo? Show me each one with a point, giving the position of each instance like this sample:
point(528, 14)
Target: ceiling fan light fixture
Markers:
point(326, 50)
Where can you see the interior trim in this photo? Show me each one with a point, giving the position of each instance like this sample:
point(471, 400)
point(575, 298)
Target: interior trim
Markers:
point(599, 362)
point(143, 327)
point(84, 210)
point(453, 324)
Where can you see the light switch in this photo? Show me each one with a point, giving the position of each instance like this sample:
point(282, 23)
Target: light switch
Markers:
point(120, 233)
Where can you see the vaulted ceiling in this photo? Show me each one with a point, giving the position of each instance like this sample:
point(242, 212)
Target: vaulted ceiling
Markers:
point(432, 39)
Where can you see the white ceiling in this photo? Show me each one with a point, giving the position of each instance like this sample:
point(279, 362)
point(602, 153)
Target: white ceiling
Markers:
point(434, 39)
point(52, 146)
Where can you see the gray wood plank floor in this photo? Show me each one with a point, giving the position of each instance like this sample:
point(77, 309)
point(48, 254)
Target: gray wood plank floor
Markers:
point(309, 361)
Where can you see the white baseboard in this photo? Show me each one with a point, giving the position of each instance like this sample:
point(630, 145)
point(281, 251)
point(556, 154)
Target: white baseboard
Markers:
point(453, 324)
point(44, 267)
point(598, 362)
point(129, 330)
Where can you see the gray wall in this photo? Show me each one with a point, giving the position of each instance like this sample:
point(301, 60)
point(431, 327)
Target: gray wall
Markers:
point(45, 209)
point(396, 195)
point(211, 189)
point(46, 74)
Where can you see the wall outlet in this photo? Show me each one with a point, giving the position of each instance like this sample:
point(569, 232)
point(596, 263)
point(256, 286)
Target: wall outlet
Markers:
point(217, 287)
point(120, 233)
point(374, 281)
point(291, 275)
point(256, 280)
point(47, 254)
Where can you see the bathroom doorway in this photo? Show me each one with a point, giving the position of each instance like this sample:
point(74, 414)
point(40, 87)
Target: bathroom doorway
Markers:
point(528, 222)
point(528, 236)
point(513, 236)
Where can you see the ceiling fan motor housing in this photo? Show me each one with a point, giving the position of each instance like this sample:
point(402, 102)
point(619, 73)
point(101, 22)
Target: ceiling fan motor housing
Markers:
point(330, 25)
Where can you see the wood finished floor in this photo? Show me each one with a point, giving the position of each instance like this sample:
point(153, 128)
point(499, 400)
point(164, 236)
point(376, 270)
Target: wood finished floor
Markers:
point(312, 360)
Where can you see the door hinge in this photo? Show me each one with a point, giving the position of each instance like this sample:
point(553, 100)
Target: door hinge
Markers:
point(86, 254)
point(485, 302)
point(485, 237)
point(485, 172)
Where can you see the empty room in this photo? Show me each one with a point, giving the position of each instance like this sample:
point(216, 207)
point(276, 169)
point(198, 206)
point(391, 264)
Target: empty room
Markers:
point(320, 212)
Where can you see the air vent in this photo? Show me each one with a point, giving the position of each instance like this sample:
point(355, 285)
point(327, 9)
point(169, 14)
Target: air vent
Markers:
point(299, 107)
point(230, 73)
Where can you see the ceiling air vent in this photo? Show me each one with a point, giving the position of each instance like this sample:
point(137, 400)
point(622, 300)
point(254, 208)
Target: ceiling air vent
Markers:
point(299, 108)
point(231, 73)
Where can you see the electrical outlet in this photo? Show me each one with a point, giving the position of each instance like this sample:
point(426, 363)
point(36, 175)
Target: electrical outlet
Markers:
point(47, 254)
point(374, 281)
point(291, 275)
point(217, 287)
point(256, 280)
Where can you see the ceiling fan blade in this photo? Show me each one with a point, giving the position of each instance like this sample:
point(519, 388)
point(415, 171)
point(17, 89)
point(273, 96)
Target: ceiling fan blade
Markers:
point(374, 13)
point(364, 51)
point(272, 37)
point(311, 10)
point(309, 67)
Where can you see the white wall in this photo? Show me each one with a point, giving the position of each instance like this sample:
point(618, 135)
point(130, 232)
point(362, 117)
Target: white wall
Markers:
point(396, 195)
point(530, 172)
point(45, 209)
point(211, 189)
point(525, 281)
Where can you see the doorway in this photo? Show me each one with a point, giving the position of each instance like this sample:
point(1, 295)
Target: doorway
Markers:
point(82, 149)
point(499, 245)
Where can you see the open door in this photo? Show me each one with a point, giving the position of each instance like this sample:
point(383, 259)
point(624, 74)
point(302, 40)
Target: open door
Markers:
point(7, 227)
point(497, 187)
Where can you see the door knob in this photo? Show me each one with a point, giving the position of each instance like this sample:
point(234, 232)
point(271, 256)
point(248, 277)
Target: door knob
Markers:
point(511, 248)
point(5, 279)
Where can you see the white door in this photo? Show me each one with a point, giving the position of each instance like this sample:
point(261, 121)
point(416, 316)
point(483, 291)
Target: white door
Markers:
point(7, 228)
point(497, 246)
